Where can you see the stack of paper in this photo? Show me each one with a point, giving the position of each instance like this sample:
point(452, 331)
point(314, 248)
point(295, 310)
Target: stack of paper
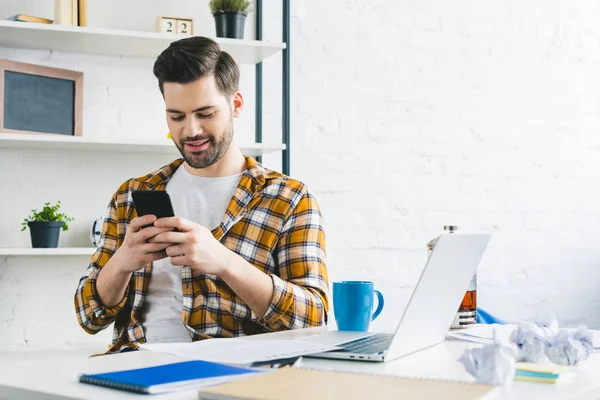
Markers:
point(483, 333)
point(545, 373)
point(239, 351)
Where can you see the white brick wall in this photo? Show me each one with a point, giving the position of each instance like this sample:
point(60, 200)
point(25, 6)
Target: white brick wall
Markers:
point(405, 116)
point(484, 114)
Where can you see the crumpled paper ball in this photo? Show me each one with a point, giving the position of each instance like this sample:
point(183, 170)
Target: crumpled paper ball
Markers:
point(530, 342)
point(492, 364)
point(540, 341)
point(546, 324)
point(570, 347)
point(531, 338)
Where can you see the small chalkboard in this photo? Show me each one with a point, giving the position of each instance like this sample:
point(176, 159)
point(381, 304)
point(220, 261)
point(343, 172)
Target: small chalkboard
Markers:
point(39, 99)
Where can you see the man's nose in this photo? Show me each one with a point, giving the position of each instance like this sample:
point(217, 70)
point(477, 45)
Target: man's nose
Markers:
point(193, 127)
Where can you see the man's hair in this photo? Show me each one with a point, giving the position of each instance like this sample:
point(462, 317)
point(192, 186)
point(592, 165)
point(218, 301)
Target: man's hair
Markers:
point(189, 59)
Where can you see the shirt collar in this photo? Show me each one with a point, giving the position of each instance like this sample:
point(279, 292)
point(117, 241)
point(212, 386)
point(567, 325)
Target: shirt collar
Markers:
point(159, 178)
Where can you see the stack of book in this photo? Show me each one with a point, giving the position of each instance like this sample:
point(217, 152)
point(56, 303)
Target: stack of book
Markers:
point(70, 12)
point(66, 12)
point(217, 381)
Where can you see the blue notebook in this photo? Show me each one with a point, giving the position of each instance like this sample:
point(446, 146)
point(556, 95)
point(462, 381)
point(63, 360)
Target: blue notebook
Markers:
point(169, 377)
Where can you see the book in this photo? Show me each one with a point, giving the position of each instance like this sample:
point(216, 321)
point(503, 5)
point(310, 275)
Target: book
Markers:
point(83, 14)
point(63, 12)
point(29, 18)
point(169, 377)
point(75, 12)
point(301, 384)
point(543, 373)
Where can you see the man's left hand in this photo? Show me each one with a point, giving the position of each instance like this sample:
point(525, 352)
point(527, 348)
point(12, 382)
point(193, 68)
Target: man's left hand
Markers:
point(193, 246)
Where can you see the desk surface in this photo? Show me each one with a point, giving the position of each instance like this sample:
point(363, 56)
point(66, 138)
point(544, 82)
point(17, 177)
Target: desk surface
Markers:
point(53, 374)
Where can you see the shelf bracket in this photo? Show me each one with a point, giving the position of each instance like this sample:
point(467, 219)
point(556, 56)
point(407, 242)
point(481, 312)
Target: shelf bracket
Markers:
point(258, 80)
point(285, 112)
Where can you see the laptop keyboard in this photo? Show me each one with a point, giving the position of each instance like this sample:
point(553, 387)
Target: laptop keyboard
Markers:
point(369, 345)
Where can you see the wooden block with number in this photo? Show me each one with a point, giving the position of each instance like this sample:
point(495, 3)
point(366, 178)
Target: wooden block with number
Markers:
point(166, 24)
point(185, 27)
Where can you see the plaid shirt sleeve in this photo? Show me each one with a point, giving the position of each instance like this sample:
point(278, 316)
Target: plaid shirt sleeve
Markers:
point(300, 296)
point(92, 315)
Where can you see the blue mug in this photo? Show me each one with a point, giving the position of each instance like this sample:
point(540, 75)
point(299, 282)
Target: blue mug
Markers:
point(353, 305)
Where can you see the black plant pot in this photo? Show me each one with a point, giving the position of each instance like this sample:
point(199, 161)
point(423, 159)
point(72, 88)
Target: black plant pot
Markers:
point(44, 234)
point(230, 25)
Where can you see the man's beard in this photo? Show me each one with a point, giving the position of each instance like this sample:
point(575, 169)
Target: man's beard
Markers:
point(216, 148)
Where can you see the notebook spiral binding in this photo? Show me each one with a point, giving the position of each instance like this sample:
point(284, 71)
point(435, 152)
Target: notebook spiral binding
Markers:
point(113, 384)
point(405, 378)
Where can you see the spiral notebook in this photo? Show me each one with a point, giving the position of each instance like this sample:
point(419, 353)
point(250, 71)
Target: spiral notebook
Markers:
point(169, 377)
point(300, 384)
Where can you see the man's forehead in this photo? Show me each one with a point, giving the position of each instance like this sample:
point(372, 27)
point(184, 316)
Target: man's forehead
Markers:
point(206, 83)
point(191, 95)
point(186, 89)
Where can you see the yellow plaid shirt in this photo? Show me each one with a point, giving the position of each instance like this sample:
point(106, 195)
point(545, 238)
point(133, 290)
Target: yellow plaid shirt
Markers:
point(272, 221)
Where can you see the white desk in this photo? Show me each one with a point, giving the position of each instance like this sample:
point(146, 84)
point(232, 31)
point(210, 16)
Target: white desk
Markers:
point(53, 375)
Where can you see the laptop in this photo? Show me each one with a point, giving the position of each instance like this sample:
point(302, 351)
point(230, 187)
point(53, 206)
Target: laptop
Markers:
point(430, 310)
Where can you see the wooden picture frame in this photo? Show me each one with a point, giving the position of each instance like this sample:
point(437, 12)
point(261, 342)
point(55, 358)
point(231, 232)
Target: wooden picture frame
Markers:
point(42, 81)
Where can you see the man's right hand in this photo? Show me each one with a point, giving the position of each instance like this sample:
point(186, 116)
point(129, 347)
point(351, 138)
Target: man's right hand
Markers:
point(131, 256)
point(136, 251)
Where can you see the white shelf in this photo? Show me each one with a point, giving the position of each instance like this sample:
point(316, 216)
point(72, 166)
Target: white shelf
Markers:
point(58, 251)
point(78, 39)
point(82, 143)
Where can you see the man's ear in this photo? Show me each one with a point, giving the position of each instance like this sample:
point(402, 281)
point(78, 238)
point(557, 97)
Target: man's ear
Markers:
point(237, 104)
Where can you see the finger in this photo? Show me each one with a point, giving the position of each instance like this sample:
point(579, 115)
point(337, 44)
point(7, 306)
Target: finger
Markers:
point(145, 234)
point(154, 247)
point(137, 223)
point(158, 255)
point(170, 237)
point(174, 251)
point(179, 261)
point(183, 225)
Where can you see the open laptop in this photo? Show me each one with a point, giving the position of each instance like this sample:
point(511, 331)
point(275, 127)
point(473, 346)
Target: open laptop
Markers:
point(430, 310)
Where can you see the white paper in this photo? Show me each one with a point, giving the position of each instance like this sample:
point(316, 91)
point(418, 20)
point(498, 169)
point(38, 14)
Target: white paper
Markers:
point(198, 383)
point(239, 351)
point(484, 333)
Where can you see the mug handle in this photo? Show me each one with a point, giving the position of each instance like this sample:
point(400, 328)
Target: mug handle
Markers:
point(379, 304)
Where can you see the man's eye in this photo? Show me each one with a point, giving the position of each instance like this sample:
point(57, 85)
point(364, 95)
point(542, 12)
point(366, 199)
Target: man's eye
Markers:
point(205, 115)
point(177, 118)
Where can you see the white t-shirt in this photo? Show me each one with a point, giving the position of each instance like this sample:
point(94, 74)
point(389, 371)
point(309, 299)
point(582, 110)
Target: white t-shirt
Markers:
point(197, 199)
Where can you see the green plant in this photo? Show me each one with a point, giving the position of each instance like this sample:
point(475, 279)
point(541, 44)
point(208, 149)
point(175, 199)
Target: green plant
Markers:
point(48, 214)
point(227, 6)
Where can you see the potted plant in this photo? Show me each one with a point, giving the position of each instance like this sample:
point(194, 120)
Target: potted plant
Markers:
point(230, 16)
point(45, 225)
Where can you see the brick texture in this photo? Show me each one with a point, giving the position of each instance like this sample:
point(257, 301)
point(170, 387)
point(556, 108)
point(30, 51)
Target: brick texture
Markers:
point(405, 116)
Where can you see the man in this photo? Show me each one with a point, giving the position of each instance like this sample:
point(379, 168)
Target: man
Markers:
point(246, 251)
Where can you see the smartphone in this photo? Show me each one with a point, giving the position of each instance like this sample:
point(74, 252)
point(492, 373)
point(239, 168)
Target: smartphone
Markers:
point(155, 202)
